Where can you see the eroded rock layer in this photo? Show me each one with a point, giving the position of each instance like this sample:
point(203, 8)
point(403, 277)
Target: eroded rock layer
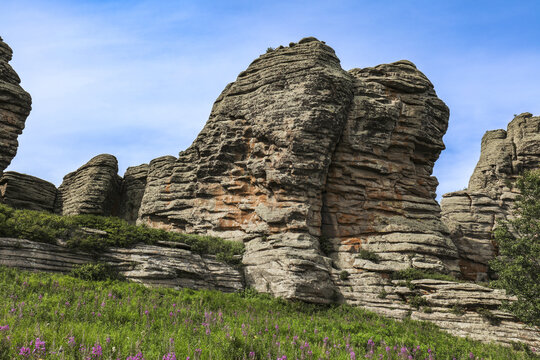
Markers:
point(295, 149)
point(380, 195)
point(472, 214)
point(23, 191)
point(15, 106)
point(147, 264)
point(257, 170)
point(94, 188)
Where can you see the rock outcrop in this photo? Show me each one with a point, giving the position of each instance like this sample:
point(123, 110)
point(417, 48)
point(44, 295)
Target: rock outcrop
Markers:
point(23, 191)
point(94, 188)
point(471, 214)
point(15, 106)
point(297, 149)
point(379, 195)
point(147, 264)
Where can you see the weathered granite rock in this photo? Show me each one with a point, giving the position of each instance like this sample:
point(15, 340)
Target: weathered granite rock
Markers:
point(472, 214)
point(15, 106)
point(379, 194)
point(133, 185)
point(23, 191)
point(257, 170)
point(146, 264)
point(94, 188)
point(295, 149)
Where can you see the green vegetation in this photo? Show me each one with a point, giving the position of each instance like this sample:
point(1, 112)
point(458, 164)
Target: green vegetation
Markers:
point(518, 263)
point(368, 255)
point(60, 317)
point(47, 227)
point(344, 275)
point(96, 272)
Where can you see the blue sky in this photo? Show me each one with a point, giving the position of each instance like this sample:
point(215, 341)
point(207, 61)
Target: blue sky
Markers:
point(137, 79)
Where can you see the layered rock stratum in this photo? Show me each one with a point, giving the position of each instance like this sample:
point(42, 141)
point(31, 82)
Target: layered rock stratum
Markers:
point(27, 192)
point(472, 214)
point(299, 151)
point(15, 106)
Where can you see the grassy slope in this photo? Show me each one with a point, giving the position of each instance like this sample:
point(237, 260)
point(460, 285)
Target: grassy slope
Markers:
point(126, 318)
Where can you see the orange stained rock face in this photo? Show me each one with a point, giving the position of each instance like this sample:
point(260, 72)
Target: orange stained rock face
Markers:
point(470, 270)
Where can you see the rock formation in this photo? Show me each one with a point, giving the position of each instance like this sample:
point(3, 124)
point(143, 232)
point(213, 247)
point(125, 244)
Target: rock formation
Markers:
point(94, 188)
point(471, 214)
point(23, 191)
point(15, 106)
point(297, 148)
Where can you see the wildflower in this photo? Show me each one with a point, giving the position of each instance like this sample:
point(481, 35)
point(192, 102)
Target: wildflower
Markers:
point(4, 328)
point(71, 341)
point(24, 352)
point(252, 355)
point(107, 339)
point(471, 355)
point(353, 355)
point(97, 351)
point(169, 356)
point(39, 346)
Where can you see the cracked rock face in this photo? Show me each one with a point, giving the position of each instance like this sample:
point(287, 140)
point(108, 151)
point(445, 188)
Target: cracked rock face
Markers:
point(471, 214)
point(15, 106)
point(297, 148)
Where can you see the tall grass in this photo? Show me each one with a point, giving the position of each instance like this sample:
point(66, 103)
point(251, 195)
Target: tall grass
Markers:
point(46, 316)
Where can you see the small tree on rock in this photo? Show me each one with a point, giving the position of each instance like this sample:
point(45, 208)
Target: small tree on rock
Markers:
point(518, 263)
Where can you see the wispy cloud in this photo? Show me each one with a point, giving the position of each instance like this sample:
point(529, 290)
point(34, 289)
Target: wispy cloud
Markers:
point(137, 79)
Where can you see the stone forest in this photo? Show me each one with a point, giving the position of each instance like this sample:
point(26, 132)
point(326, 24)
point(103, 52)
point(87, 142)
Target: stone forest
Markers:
point(325, 176)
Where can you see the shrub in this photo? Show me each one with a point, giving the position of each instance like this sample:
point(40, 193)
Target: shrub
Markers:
point(326, 245)
point(382, 294)
point(416, 301)
point(95, 272)
point(518, 264)
point(368, 255)
point(344, 275)
point(457, 310)
point(489, 316)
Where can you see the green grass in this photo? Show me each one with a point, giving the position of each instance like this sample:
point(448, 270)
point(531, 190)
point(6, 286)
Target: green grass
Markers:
point(417, 274)
point(72, 316)
point(46, 227)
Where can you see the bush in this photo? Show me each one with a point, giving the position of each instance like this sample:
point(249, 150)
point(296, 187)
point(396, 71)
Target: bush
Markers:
point(518, 263)
point(344, 275)
point(95, 272)
point(368, 255)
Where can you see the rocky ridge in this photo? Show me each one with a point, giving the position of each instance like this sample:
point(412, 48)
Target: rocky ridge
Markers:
point(15, 106)
point(472, 214)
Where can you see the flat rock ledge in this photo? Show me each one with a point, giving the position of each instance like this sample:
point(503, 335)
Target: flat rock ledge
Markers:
point(146, 264)
point(461, 309)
